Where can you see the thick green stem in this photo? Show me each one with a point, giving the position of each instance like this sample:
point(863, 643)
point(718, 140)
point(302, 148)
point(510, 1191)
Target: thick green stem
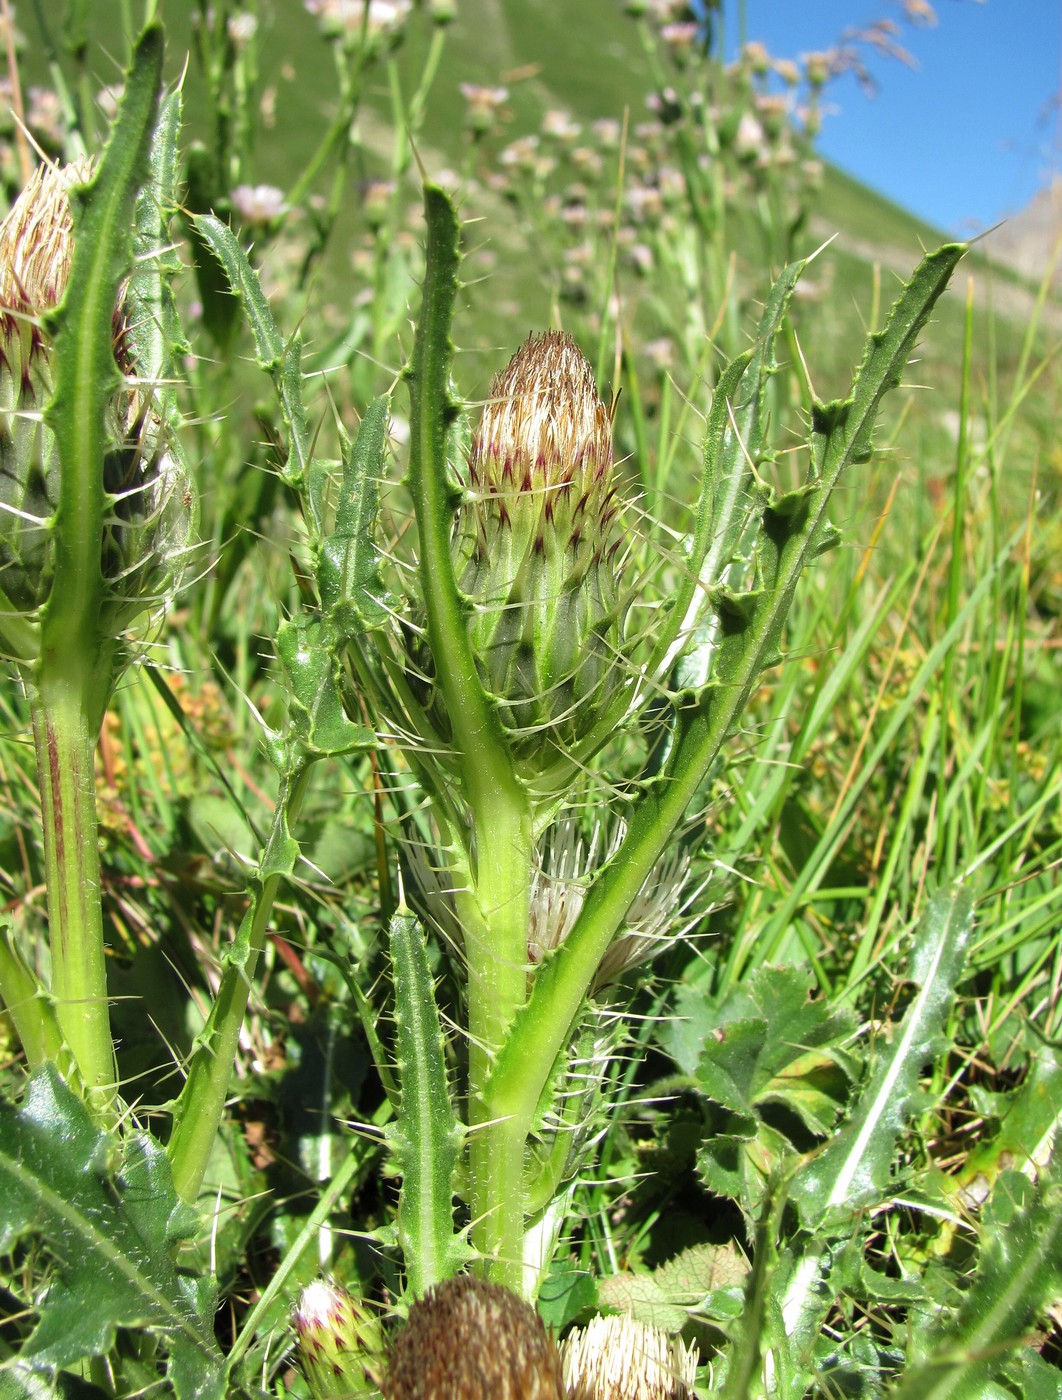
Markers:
point(495, 923)
point(65, 731)
point(495, 911)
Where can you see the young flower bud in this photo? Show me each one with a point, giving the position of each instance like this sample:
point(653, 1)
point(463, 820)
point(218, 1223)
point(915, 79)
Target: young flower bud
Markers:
point(35, 253)
point(535, 544)
point(149, 522)
point(472, 1340)
point(340, 1344)
point(617, 1358)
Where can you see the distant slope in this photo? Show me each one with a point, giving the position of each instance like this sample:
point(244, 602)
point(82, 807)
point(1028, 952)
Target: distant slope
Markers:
point(1029, 241)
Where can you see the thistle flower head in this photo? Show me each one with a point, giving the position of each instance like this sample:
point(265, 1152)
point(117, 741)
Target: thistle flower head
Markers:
point(340, 1344)
point(535, 546)
point(149, 518)
point(546, 434)
point(36, 248)
point(472, 1340)
point(664, 910)
point(617, 1358)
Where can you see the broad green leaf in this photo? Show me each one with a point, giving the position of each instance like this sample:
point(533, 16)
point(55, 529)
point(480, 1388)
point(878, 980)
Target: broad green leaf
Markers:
point(765, 1043)
point(109, 1219)
point(1019, 1274)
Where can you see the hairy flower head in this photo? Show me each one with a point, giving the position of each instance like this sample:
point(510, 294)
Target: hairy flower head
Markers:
point(339, 1343)
point(617, 1358)
point(149, 516)
point(535, 548)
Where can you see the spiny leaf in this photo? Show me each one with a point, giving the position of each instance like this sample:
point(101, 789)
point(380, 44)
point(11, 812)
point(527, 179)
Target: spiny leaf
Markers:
point(281, 359)
point(846, 426)
point(734, 443)
point(83, 334)
point(320, 724)
point(427, 1136)
point(110, 1227)
point(353, 595)
point(1019, 1274)
point(854, 1168)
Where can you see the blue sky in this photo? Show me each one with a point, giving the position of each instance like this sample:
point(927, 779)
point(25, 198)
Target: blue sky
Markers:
point(963, 139)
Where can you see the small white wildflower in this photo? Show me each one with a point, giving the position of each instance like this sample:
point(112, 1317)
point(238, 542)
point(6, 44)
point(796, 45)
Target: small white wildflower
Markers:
point(241, 29)
point(750, 140)
point(258, 204)
point(560, 126)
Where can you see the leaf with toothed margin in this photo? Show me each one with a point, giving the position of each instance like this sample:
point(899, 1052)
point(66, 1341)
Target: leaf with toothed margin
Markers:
point(320, 724)
point(427, 1136)
point(853, 1169)
point(109, 1219)
point(281, 359)
point(352, 592)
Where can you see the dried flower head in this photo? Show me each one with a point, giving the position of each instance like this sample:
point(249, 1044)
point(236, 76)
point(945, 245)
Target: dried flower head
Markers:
point(617, 1358)
point(472, 1340)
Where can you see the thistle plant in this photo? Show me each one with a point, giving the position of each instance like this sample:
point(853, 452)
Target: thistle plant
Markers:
point(95, 522)
point(542, 688)
point(502, 675)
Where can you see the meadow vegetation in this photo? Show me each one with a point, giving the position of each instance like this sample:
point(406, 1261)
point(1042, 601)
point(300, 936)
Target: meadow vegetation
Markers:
point(591, 827)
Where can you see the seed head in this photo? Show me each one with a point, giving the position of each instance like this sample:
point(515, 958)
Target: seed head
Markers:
point(472, 1340)
point(617, 1358)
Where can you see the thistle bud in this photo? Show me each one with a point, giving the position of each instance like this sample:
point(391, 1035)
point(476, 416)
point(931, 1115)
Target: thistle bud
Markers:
point(472, 1340)
point(149, 521)
point(340, 1344)
point(535, 546)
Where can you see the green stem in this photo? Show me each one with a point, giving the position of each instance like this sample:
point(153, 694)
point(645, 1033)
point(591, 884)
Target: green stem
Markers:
point(495, 925)
point(496, 910)
point(32, 1013)
point(65, 730)
point(198, 1112)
